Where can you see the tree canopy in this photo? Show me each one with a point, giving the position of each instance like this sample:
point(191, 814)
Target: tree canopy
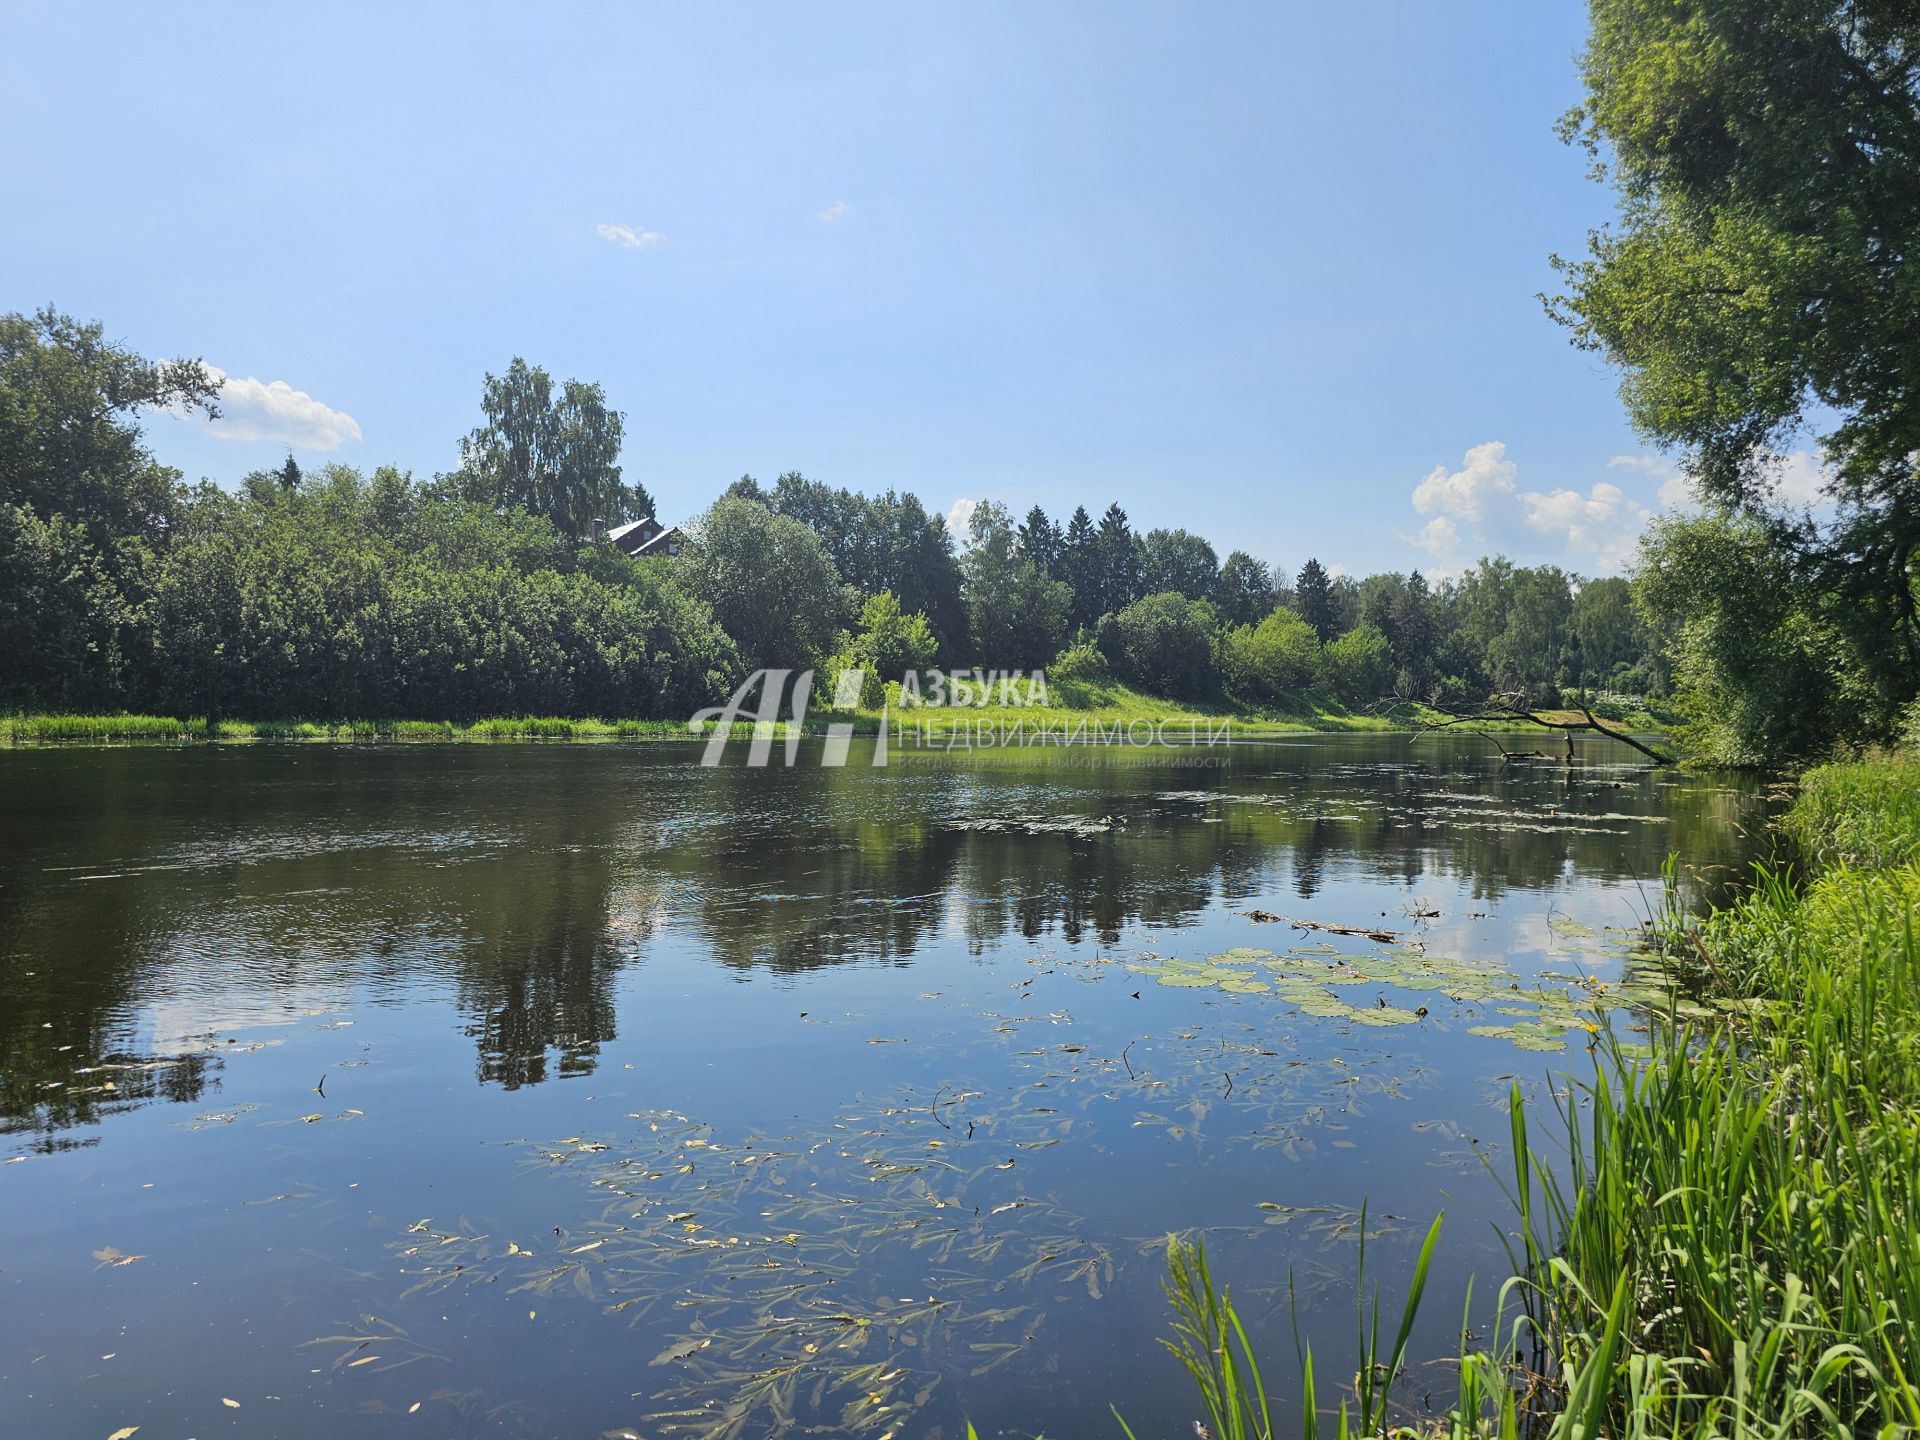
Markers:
point(554, 454)
point(1758, 287)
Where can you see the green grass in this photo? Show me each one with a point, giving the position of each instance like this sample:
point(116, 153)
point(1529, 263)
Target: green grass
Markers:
point(1729, 1243)
point(1108, 703)
point(1078, 706)
point(1865, 814)
point(116, 729)
point(17, 729)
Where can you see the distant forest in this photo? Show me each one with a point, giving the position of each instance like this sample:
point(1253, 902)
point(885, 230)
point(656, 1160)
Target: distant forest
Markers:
point(490, 590)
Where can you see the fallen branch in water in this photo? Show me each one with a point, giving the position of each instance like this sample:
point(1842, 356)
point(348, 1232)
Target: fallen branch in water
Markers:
point(1512, 706)
point(1384, 937)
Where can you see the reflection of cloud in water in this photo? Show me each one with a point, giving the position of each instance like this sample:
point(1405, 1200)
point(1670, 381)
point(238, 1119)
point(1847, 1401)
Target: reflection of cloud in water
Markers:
point(190, 1020)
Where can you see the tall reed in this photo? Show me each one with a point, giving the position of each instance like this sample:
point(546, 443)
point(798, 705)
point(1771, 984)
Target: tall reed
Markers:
point(1730, 1244)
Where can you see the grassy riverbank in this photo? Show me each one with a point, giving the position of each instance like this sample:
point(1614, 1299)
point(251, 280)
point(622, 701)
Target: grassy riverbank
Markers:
point(1736, 1251)
point(119, 729)
point(1077, 708)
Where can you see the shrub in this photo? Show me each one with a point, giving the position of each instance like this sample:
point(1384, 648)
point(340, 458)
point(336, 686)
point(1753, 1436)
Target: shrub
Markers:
point(1359, 665)
point(1163, 644)
point(1266, 662)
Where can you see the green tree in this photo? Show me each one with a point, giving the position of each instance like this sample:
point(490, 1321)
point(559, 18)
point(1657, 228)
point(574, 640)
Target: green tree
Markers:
point(885, 542)
point(1080, 564)
point(1270, 661)
point(1313, 598)
point(67, 628)
point(1116, 561)
point(70, 441)
point(1358, 666)
point(1759, 281)
point(1244, 589)
point(889, 643)
point(1413, 630)
point(1764, 677)
point(1018, 616)
point(1603, 622)
point(768, 580)
point(1180, 561)
point(1164, 644)
point(1041, 542)
point(553, 455)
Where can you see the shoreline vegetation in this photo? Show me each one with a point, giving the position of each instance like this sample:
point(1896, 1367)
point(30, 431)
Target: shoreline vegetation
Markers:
point(1735, 1249)
point(1112, 707)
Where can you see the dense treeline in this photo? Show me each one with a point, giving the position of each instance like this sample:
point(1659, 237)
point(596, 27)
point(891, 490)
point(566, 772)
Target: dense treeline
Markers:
point(487, 591)
point(1162, 611)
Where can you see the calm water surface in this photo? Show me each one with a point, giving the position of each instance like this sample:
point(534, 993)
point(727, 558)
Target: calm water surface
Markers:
point(522, 1091)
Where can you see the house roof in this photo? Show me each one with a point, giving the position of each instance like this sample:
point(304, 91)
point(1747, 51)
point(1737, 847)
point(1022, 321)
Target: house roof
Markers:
point(658, 542)
point(620, 532)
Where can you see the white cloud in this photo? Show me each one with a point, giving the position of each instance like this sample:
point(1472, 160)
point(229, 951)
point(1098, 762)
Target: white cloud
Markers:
point(1480, 509)
point(628, 237)
point(1439, 537)
point(1602, 526)
point(1676, 486)
point(1485, 474)
point(1800, 479)
point(838, 210)
point(253, 409)
point(960, 518)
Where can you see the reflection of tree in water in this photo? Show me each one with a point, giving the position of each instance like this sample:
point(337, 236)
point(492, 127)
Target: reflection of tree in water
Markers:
point(524, 879)
point(539, 976)
point(254, 883)
point(72, 972)
point(50, 1085)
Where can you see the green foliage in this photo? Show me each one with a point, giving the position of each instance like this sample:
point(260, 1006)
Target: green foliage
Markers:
point(769, 580)
point(1244, 589)
point(1268, 662)
point(889, 643)
point(69, 438)
point(1608, 633)
point(1359, 665)
point(1080, 568)
point(69, 628)
point(555, 456)
point(1017, 616)
point(1115, 568)
point(883, 542)
point(337, 599)
point(1180, 561)
point(1517, 621)
point(1164, 644)
point(1763, 677)
point(1759, 280)
point(330, 593)
point(1042, 543)
point(1313, 598)
point(1865, 814)
point(1078, 665)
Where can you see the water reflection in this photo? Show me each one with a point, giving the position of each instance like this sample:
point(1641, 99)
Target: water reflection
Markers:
point(234, 885)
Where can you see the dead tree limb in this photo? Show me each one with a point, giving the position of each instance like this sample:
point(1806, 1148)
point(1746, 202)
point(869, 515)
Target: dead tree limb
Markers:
point(1512, 707)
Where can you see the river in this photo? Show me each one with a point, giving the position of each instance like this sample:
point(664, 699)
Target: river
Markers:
point(528, 1090)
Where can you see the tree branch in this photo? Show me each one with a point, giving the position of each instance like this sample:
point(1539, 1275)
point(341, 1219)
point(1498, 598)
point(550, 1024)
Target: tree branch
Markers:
point(1509, 708)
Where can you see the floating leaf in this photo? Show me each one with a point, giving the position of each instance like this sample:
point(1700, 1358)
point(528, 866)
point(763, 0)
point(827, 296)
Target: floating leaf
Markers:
point(680, 1350)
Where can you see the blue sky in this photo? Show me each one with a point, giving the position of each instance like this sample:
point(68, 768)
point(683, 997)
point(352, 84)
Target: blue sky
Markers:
point(1267, 272)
